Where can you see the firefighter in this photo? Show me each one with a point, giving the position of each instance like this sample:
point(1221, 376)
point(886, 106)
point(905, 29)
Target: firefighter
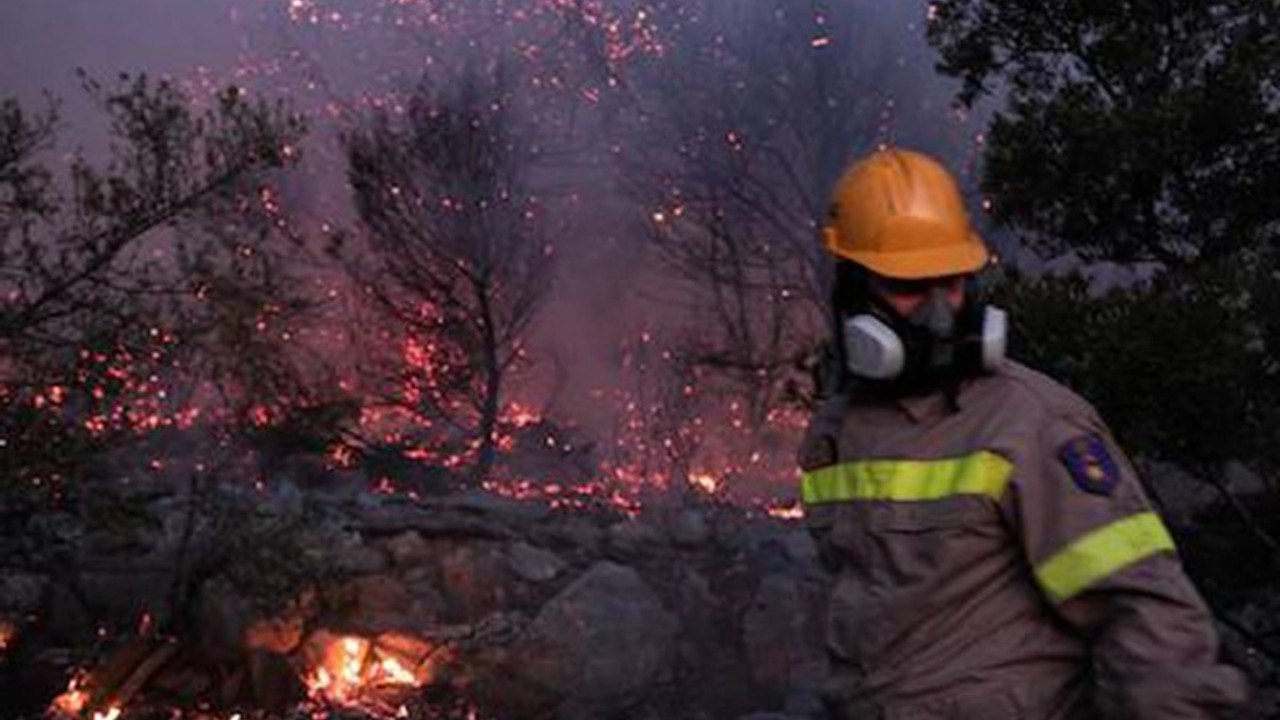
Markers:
point(994, 555)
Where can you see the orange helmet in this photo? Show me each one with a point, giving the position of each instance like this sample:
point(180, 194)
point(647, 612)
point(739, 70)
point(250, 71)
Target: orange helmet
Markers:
point(899, 214)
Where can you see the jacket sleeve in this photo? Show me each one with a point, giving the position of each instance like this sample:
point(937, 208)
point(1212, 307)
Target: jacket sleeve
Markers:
point(1106, 564)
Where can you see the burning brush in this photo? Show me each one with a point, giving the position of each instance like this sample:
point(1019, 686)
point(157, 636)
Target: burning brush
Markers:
point(376, 677)
point(372, 675)
point(76, 701)
point(8, 631)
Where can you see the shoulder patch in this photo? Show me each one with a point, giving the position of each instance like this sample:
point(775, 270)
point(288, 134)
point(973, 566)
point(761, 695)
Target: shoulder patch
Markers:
point(1090, 464)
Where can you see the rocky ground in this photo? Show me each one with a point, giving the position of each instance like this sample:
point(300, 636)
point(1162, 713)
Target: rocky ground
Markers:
point(324, 596)
point(347, 603)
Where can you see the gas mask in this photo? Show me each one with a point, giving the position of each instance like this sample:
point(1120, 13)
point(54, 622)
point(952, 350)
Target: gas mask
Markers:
point(932, 344)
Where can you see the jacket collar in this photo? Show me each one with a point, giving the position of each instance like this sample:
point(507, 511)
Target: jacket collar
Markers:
point(932, 404)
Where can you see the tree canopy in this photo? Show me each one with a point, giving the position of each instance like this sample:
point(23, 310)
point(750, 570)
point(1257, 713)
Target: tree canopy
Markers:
point(1140, 131)
point(1146, 134)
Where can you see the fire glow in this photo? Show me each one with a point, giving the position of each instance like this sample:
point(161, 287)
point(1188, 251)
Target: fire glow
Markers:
point(76, 700)
point(7, 633)
point(358, 673)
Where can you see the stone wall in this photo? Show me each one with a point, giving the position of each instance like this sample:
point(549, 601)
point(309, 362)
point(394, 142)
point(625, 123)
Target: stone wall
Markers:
point(510, 609)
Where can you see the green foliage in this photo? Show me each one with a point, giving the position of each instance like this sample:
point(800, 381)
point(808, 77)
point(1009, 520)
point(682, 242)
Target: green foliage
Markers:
point(1148, 132)
point(1181, 369)
point(1140, 132)
point(1134, 131)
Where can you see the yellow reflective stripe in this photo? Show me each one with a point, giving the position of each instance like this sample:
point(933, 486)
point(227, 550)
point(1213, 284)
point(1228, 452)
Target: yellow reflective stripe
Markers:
point(1101, 553)
point(982, 473)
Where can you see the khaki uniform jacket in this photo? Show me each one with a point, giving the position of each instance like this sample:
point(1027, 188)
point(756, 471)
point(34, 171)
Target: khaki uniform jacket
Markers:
point(1000, 562)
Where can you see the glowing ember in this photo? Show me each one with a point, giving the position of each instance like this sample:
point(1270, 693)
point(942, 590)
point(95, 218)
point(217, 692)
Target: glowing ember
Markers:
point(7, 633)
point(356, 672)
point(521, 416)
point(340, 678)
point(792, 511)
point(396, 673)
point(74, 701)
point(705, 482)
point(77, 702)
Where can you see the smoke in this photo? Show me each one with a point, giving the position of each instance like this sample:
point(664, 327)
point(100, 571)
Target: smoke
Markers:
point(594, 82)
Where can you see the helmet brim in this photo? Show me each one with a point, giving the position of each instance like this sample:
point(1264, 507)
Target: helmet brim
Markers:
point(960, 259)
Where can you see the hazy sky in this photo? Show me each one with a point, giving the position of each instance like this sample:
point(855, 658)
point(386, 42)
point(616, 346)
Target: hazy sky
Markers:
point(42, 42)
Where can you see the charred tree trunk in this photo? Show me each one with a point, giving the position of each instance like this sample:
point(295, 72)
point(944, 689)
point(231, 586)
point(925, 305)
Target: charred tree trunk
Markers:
point(489, 400)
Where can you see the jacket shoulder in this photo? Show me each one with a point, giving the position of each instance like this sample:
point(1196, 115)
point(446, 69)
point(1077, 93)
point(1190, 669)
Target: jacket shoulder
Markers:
point(1041, 395)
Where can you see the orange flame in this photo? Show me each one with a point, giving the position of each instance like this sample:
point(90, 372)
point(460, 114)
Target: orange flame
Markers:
point(793, 511)
point(352, 672)
point(396, 673)
point(74, 701)
point(339, 678)
point(706, 482)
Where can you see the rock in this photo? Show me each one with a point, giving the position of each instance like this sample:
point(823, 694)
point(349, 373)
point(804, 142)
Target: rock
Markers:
point(283, 499)
point(603, 642)
point(1181, 497)
point(475, 579)
point(1241, 480)
point(354, 557)
point(800, 547)
point(776, 634)
point(573, 532)
point(689, 529)
point(631, 538)
point(396, 519)
point(487, 503)
point(771, 555)
point(696, 594)
point(732, 536)
point(533, 564)
point(20, 592)
point(408, 548)
point(377, 604)
point(280, 635)
point(423, 588)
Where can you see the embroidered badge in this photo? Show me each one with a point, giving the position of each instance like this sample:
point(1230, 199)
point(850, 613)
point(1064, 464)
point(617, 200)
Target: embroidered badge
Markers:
point(1091, 465)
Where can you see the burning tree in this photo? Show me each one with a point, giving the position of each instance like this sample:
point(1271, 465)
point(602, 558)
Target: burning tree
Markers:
point(735, 167)
point(255, 328)
point(459, 258)
point(145, 317)
point(100, 270)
